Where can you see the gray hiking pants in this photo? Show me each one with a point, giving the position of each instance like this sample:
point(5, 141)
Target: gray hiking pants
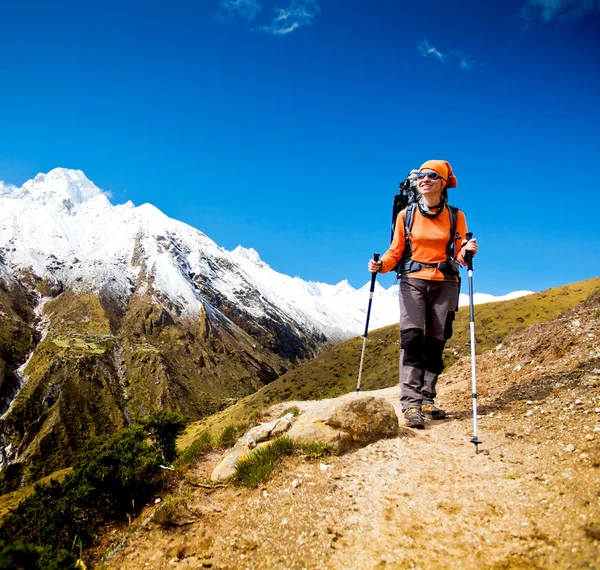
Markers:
point(427, 310)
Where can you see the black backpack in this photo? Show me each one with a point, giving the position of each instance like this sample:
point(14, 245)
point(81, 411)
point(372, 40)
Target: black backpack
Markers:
point(407, 197)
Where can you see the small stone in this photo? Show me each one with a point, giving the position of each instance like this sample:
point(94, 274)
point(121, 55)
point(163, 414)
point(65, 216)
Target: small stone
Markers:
point(570, 448)
point(529, 402)
point(156, 501)
point(529, 413)
point(593, 530)
point(583, 456)
point(265, 494)
point(597, 410)
point(517, 368)
point(296, 483)
point(324, 466)
point(597, 429)
point(589, 436)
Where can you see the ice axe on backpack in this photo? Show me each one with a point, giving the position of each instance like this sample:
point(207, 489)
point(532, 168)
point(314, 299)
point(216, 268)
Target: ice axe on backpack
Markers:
point(362, 354)
point(469, 259)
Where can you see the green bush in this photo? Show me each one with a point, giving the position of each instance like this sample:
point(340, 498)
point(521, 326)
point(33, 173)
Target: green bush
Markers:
point(165, 427)
point(22, 556)
point(110, 480)
point(254, 469)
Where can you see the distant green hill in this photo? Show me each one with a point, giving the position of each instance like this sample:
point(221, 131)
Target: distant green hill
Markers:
point(335, 372)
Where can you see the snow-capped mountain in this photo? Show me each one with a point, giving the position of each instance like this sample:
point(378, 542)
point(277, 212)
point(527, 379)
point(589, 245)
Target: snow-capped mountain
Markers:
point(65, 229)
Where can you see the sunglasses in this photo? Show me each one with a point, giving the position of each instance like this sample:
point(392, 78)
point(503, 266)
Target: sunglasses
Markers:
point(431, 175)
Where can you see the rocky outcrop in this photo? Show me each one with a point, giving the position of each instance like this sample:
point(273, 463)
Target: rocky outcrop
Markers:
point(347, 422)
point(342, 424)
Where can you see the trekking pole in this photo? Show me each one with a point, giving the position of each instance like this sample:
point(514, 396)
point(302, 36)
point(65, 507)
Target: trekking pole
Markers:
point(362, 354)
point(469, 260)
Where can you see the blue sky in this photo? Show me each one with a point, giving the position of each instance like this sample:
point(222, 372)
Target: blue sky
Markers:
point(286, 126)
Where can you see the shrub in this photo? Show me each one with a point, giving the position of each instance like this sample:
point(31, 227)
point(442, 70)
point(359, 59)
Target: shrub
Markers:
point(255, 468)
point(108, 481)
point(167, 511)
point(165, 427)
point(22, 556)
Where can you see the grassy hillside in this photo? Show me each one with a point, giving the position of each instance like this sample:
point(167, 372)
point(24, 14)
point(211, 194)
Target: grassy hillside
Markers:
point(335, 372)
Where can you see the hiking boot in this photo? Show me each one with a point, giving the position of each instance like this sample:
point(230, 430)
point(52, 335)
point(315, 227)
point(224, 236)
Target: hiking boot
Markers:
point(432, 412)
point(414, 418)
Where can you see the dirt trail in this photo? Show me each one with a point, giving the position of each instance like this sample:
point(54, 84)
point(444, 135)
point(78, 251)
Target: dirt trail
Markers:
point(529, 500)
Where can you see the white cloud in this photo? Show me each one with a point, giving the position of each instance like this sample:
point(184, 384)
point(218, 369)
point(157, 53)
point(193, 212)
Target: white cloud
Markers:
point(247, 9)
point(463, 60)
point(460, 58)
point(6, 188)
point(427, 49)
point(299, 13)
point(561, 10)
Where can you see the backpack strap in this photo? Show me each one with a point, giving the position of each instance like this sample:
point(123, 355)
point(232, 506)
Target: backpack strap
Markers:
point(409, 218)
point(409, 214)
point(450, 248)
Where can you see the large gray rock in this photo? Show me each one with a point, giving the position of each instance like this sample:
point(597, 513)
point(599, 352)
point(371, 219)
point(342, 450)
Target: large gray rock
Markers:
point(346, 423)
point(342, 423)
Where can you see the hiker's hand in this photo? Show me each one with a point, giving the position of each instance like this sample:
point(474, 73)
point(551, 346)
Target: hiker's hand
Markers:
point(374, 266)
point(470, 245)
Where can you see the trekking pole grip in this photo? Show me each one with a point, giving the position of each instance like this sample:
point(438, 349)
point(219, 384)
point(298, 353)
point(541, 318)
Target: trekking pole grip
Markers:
point(469, 254)
point(374, 275)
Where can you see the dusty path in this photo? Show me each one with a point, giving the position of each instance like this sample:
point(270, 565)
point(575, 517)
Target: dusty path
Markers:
point(423, 500)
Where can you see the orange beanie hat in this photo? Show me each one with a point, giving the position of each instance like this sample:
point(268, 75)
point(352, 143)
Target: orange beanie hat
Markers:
point(444, 169)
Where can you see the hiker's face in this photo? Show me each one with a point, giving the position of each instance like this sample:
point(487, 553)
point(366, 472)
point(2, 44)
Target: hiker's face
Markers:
point(428, 186)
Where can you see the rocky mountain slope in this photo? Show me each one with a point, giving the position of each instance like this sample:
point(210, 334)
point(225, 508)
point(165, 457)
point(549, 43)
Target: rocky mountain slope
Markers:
point(424, 500)
point(108, 313)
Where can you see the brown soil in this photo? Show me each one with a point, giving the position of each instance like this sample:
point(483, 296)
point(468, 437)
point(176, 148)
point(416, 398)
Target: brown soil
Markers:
point(425, 500)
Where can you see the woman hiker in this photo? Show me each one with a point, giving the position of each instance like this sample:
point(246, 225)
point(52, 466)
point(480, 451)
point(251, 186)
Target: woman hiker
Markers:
point(429, 287)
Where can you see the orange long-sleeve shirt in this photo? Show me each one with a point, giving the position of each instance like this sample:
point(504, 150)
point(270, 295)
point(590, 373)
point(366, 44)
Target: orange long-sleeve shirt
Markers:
point(429, 238)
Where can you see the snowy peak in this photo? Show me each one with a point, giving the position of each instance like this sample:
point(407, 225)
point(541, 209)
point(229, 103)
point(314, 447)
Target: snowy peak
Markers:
point(61, 187)
point(248, 253)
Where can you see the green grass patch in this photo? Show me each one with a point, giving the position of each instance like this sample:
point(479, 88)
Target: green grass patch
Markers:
point(230, 434)
point(294, 410)
point(256, 467)
point(190, 454)
point(166, 512)
point(313, 449)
